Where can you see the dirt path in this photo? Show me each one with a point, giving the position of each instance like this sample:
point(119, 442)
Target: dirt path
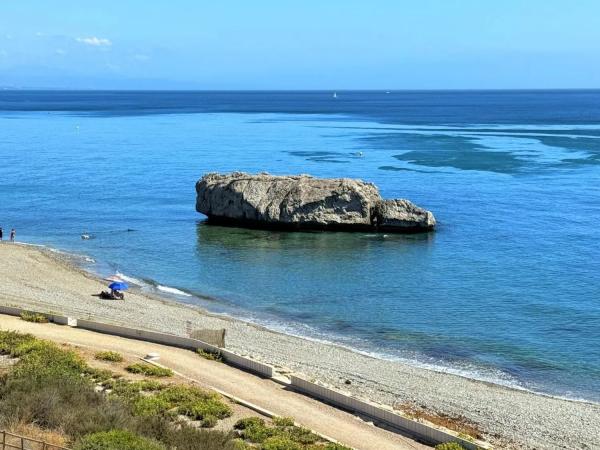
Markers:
point(342, 426)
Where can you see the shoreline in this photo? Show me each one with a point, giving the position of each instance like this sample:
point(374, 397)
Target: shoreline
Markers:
point(170, 294)
point(509, 417)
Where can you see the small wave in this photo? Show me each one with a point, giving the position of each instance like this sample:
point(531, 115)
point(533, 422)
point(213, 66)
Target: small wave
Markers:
point(151, 285)
point(172, 290)
point(130, 279)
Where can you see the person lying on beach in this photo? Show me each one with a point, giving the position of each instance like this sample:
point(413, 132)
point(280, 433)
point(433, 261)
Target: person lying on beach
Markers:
point(112, 295)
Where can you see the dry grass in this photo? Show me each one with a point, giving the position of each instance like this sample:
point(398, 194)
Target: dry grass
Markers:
point(32, 431)
point(459, 424)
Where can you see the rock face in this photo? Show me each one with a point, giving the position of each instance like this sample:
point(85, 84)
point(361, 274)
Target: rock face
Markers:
point(303, 202)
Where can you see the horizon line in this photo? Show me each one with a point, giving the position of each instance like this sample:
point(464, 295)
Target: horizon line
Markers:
point(388, 90)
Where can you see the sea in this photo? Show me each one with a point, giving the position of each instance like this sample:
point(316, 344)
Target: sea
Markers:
point(506, 290)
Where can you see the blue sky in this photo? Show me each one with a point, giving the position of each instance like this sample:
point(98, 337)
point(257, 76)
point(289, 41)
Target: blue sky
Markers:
point(326, 44)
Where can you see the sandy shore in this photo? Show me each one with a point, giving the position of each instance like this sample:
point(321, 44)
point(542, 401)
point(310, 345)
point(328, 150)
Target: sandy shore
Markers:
point(42, 280)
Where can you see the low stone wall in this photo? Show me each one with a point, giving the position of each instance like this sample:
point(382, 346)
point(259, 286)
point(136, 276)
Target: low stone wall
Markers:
point(144, 335)
point(12, 311)
point(419, 430)
point(248, 364)
point(178, 341)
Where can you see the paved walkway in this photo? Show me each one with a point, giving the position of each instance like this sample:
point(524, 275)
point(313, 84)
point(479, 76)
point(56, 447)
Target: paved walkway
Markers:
point(267, 394)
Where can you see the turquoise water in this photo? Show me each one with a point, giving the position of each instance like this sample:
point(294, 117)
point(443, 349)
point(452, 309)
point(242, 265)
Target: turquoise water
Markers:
point(505, 290)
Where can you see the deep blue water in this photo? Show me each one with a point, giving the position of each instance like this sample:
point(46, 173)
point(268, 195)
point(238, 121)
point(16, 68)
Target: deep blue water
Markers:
point(506, 289)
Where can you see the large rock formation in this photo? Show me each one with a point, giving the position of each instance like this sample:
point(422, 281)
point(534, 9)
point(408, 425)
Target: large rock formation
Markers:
point(304, 202)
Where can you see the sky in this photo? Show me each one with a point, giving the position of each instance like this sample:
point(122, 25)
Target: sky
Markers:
point(300, 44)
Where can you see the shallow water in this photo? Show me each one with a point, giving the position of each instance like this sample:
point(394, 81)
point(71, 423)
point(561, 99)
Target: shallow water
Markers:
point(505, 290)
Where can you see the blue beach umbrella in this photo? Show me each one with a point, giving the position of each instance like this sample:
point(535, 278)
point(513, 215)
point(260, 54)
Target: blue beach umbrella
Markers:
point(118, 286)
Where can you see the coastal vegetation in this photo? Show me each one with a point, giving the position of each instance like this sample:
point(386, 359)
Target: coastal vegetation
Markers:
point(51, 391)
point(149, 370)
point(116, 440)
point(109, 356)
point(449, 446)
point(211, 356)
point(282, 434)
point(33, 317)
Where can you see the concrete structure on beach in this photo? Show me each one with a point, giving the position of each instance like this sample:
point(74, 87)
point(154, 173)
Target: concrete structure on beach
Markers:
point(305, 203)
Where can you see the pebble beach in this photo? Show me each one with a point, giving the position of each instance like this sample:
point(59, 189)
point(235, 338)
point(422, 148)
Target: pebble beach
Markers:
point(43, 280)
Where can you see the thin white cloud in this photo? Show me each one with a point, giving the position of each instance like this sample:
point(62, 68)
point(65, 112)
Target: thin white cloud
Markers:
point(94, 41)
point(60, 51)
point(141, 57)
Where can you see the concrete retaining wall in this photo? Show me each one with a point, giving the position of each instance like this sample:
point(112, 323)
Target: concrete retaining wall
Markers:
point(12, 311)
point(144, 335)
point(60, 320)
point(179, 341)
point(248, 364)
point(419, 430)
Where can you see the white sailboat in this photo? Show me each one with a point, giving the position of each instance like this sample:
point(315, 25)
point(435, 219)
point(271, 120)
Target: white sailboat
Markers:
point(335, 95)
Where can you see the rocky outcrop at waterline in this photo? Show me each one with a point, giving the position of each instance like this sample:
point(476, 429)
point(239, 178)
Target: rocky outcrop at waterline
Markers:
point(303, 202)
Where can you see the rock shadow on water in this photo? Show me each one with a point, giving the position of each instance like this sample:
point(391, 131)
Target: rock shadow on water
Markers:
point(326, 242)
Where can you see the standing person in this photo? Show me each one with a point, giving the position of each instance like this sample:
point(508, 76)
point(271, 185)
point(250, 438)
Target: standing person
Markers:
point(1, 233)
point(13, 233)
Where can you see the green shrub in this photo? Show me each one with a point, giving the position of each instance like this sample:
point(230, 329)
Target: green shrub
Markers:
point(185, 436)
point(99, 375)
point(283, 421)
point(152, 405)
point(34, 317)
point(247, 422)
point(302, 435)
point(449, 446)
point(201, 408)
point(189, 401)
point(280, 443)
point(284, 432)
point(212, 356)
point(196, 403)
point(130, 390)
point(240, 444)
point(209, 422)
point(327, 446)
point(182, 394)
point(10, 340)
point(40, 360)
point(149, 370)
point(109, 356)
point(117, 440)
point(258, 433)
